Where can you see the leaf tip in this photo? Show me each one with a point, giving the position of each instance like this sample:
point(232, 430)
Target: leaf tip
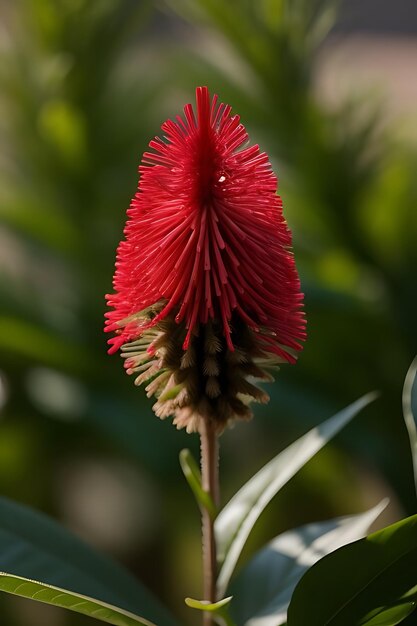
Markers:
point(206, 605)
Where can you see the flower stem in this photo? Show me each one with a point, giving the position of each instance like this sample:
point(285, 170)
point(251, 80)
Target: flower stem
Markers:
point(210, 483)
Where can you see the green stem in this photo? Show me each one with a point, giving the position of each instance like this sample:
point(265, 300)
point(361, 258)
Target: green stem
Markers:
point(210, 484)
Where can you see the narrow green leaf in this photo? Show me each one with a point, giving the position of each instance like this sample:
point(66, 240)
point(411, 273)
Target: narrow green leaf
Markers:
point(390, 616)
point(36, 547)
point(203, 605)
point(409, 408)
point(219, 609)
point(193, 477)
point(34, 590)
point(263, 589)
point(369, 580)
point(235, 522)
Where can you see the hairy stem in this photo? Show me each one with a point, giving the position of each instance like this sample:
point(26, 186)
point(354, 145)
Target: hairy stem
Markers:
point(210, 483)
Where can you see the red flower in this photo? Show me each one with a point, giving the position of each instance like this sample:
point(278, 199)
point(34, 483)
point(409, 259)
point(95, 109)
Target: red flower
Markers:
point(206, 241)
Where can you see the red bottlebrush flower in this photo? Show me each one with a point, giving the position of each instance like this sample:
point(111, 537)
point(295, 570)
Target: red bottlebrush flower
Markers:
point(207, 294)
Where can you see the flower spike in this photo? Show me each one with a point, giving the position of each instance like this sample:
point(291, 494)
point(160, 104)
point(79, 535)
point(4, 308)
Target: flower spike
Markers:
point(207, 295)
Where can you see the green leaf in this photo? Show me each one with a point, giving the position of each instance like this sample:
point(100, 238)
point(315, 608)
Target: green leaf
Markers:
point(26, 588)
point(371, 581)
point(263, 589)
point(203, 605)
point(235, 522)
point(389, 616)
point(193, 477)
point(410, 411)
point(36, 547)
point(219, 609)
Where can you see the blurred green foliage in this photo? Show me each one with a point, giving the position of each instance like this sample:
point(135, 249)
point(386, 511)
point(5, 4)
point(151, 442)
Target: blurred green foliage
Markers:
point(84, 87)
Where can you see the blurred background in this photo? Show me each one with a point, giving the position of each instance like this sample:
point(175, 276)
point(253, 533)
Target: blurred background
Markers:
point(330, 91)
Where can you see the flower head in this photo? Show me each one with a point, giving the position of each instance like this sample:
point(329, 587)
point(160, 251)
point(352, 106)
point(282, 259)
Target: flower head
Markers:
point(207, 296)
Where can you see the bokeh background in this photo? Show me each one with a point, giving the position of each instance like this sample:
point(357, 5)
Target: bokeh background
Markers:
point(330, 91)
